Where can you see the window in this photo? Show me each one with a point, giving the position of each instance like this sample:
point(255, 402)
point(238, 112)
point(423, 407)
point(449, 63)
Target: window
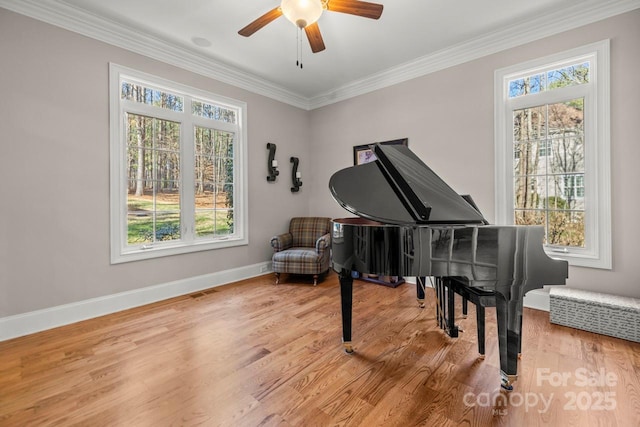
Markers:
point(178, 181)
point(552, 152)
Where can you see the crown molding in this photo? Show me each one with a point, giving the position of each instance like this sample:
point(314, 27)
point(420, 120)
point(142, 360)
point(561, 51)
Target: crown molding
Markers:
point(60, 14)
point(506, 38)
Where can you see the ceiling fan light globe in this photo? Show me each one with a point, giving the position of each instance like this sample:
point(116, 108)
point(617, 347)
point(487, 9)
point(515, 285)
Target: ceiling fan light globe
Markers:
point(302, 12)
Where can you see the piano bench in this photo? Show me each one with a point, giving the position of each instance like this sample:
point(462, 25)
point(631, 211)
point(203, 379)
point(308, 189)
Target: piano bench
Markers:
point(478, 297)
point(603, 314)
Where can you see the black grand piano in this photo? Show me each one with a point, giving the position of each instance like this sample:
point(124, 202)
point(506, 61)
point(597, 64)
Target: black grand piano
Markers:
point(411, 223)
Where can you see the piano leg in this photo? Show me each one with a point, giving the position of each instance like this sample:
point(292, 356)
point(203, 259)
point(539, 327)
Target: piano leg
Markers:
point(442, 304)
point(451, 311)
point(439, 303)
point(346, 301)
point(520, 340)
point(445, 306)
point(420, 285)
point(465, 303)
point(508, 340)
point(480, 325)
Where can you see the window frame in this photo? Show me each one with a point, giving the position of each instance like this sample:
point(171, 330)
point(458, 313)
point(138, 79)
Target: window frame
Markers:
point(597, 175)
point(121, 251)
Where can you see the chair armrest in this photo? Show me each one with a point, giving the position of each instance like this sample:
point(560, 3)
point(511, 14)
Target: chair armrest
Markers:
point(323, 243)
point(281, 242)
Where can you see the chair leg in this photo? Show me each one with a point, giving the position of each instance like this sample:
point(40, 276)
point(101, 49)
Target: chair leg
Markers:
point(277, 278)
point(315, 279)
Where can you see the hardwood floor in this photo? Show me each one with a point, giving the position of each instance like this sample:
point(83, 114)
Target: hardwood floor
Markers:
point(256, 354)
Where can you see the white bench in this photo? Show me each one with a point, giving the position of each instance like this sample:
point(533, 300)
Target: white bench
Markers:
point(604, 314)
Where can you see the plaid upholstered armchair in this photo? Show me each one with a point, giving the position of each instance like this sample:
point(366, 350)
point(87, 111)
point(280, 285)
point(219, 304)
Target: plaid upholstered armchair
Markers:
point(305, 249)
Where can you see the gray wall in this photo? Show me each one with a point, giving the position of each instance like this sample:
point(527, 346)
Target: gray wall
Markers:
point(54, 164)
point(448, 118)
point(54, 171)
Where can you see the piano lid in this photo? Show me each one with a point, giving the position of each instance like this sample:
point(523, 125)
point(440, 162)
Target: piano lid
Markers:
point(398, 188)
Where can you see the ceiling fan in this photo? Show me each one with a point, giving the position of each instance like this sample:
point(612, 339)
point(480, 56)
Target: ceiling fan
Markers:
point(305, 14)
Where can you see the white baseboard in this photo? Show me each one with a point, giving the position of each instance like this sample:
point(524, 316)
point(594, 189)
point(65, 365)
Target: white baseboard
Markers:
point(48, 318)
point(53, 317)
point(538, 299)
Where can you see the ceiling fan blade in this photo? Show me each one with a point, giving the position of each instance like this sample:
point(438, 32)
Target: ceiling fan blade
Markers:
point(261, 22)
point(315, 38)
point(356, 7)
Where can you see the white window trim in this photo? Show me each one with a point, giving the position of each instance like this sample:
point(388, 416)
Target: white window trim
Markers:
point(120, 251)
point(597, 155)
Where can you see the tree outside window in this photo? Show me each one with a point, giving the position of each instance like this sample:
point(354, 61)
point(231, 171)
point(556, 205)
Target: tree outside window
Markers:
point(177, 159)
point(552, 152)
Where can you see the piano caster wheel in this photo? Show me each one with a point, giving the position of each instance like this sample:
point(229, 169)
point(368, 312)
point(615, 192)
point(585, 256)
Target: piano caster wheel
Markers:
point(421, 303)
point(481, 356)
point(506, 385)
point(519, 356)
point(507, 381)
point(348, 348)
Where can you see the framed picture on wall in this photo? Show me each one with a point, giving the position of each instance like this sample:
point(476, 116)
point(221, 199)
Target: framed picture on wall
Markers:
point(364, 154)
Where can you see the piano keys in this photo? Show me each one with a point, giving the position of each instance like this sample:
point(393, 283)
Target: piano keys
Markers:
point(411, 223)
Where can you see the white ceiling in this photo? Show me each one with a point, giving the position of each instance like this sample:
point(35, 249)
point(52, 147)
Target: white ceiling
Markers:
point(413, 37)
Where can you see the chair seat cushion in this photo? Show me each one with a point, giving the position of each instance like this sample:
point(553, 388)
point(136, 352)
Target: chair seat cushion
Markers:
point(297, 260)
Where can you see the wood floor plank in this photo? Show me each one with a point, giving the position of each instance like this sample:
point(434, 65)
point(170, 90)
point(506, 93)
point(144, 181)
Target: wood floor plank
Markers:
point(256, 354)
